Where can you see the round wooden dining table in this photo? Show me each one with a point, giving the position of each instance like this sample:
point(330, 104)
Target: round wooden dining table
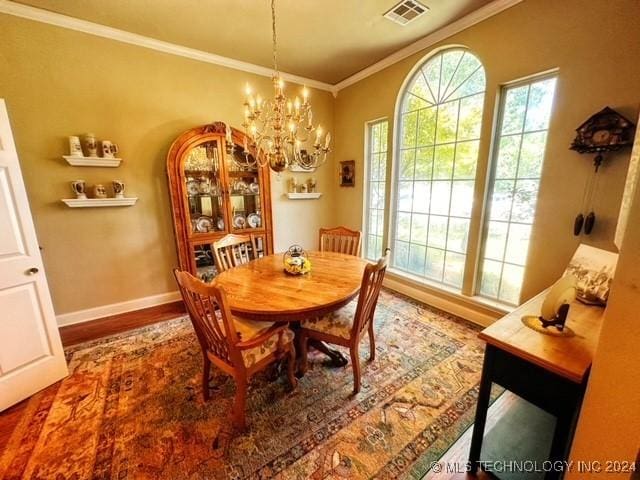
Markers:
point(262, 290)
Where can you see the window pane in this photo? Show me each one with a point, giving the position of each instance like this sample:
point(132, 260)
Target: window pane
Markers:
point(404, 226)
point(518, 244)
point(524, 201)
point(409, 121)
point(441, 192)
point(462, 198)
point(458, 235)
point(437, 164)
point(514, 110)
point(371, 244)
point(419, 227)
point(424, 163)
point(501, 200)
point(374, 172)
point(426, 126)
point(435, 264)
point(443, 162)
point(496, 240)
point(413, 102)
point(437, 231)
point(508, 156)
point(380, 223)
point(401, 255)
point(511, 283)
point(454, 269)
point(539, 106)
point(517, 166)
point(491, 272)
point(466, 159)
point(447, 122)
point(407, 161)
point(421, 196)
point(405, 196)
point(416, 258)
point(470, 117)
point(531, 154)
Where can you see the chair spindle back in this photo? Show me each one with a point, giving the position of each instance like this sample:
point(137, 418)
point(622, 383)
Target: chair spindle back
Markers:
point(211, 318)
point(340, 240)
point(369, 293)
point(233, 250)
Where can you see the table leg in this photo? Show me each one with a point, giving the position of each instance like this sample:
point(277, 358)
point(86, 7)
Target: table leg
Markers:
point(336, 357)
point(560, 442)
point(484, 394)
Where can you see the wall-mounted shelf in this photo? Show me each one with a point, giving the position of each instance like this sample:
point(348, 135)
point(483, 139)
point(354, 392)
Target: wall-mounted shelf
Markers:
point(303, 196)
point(100, 202)
point(92, 161)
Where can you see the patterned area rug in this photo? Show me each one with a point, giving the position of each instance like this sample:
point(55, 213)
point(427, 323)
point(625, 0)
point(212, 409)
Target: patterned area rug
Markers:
point(132, 408)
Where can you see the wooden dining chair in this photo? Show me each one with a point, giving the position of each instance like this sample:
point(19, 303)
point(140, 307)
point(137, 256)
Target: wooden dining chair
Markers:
point(347, 325)
point(238, 347)
point(233, 250)
point(340, 240)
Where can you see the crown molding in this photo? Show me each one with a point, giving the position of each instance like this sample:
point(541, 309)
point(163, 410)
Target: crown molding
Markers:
point(59, 20)
point(477, 16)
point(45, 16)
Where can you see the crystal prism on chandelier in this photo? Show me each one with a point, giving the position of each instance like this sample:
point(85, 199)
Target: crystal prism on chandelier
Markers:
point(280, 131)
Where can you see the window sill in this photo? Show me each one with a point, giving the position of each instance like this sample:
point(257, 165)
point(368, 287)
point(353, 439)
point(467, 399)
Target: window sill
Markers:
point(480, 310)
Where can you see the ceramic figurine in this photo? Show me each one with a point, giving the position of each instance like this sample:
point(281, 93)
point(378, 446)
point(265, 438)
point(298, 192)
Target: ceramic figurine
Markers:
point(78, 187)
point(99, 191)
point(75, 148)
point(90, 145)
point(312, 184)
point(118, 189)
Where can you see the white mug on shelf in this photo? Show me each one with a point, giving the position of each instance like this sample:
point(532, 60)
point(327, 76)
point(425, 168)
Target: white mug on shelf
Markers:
point(90, 145)
point(107, 148)
point(78, 187)
point(118, 188)
point(75, 148)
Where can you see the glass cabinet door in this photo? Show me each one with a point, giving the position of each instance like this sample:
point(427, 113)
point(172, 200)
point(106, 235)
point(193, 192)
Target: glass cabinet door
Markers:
point(205, 264)
point(244, 195)
point(203, 185)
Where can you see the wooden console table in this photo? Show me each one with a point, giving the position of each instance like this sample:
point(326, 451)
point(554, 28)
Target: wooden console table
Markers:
point(550, 372)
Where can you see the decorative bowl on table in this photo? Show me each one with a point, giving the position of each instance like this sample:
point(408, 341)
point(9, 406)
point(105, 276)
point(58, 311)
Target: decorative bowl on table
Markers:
point(296, 261)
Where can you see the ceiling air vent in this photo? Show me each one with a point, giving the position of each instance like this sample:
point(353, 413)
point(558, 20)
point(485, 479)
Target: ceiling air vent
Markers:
point(406, 11)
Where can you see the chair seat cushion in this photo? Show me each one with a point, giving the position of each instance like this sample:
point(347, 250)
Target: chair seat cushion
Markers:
point(248, 329)
point(337, 323)
point(255, 354)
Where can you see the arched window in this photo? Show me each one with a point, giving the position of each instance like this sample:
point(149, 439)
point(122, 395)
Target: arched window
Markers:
point(439, 122)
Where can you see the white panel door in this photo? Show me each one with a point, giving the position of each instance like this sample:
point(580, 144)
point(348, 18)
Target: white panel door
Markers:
point(31, 355)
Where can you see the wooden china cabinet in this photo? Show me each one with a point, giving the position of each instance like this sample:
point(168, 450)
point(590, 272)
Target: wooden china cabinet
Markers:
point(212, 196)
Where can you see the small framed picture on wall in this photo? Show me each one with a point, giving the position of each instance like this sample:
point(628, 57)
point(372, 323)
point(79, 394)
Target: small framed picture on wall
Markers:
point(348, 173)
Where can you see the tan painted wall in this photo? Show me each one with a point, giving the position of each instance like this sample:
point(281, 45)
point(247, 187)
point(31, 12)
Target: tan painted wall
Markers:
point(609, 426)
point(595, 44)
point(57, 83)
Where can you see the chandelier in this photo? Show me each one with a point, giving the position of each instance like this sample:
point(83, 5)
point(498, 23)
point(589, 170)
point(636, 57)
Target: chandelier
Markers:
point(280, 131)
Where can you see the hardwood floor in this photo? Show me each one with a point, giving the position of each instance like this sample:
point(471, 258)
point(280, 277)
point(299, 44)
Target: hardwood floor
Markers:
point(103, 327)
point(454, 461)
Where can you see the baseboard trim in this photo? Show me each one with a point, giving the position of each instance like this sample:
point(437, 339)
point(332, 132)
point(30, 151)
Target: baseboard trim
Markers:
point(95, 313)
point(475, 315)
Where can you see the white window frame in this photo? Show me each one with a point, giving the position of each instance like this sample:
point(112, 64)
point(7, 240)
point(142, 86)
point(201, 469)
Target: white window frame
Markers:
point(491, 179)
point(367, 182)
point(394, 194)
